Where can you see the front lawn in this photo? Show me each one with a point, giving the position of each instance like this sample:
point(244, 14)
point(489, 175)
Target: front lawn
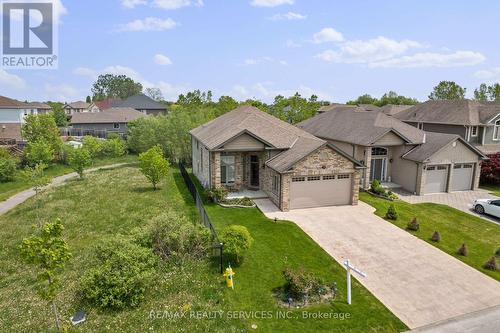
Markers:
point(19, 184)
point(493, 189)
point(456, 227)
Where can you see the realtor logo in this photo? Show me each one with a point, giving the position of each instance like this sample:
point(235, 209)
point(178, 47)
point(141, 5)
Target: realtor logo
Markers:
point(28, 34)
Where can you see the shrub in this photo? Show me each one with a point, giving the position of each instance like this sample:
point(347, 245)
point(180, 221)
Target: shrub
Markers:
point(377, 188)
point(64, 153)
point(391, 214)
point(300, 284)
point(39, 152)
point(236, 240)
point(436, 236)
point(114, 148)
point(4, 153)
point(491, 264)
point(463, 250)
point(79, 159)
point(112, 136)
point(497, 252)
point(174, 235)
point(413, 225)
point(217, 194)
point(153, 165)
point(93, 145)
point(7, 169)
point(121, 275)
point(490, 170)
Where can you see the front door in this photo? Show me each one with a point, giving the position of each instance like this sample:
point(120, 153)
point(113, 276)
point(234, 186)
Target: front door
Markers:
point(377, 169)
point(254, 171)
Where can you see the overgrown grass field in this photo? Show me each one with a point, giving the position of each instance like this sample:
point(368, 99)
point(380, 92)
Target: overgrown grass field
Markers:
point(456, 227)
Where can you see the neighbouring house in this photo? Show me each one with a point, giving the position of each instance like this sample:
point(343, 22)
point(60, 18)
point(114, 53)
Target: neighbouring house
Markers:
point(397, 154)
point(80, 107)
point(143, 104)
point(41, 108)
point(12, 114)
point(478, 123)
point(247, 149)
point(112, 120)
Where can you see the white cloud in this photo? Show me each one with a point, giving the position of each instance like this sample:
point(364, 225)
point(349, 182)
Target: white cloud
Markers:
point(59, 10)
point(176, 4)
point(490, 75)
point(428, 59)
point(292, 44)
point(11, 81)
point(327, 35)
point(359, 51)
point(148, 24)
point(133, 3)
point(163, 60)
point(265, 91)
point(61, 92)
point(172, 91)
point(270, 3)
point(256, 61)
point(290, 16)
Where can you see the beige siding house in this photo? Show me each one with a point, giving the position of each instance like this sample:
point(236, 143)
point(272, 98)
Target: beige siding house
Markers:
point(247, 149)
point(397, 154)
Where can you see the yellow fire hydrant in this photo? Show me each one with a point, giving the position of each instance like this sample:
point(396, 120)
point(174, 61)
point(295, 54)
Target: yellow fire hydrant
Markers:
point(229, 274)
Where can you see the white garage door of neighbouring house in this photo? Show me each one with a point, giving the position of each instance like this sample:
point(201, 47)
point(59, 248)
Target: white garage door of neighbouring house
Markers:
point(320, 191)
point(462, 177)
point(436, 177)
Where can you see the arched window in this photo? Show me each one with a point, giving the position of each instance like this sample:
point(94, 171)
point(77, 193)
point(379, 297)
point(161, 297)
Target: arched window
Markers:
point(379, 151)
point(496, 131)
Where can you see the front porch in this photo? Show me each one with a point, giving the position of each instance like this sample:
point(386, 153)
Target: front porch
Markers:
point(240, 172)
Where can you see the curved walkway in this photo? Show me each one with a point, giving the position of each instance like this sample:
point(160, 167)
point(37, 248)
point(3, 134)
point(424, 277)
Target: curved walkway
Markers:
point(21, 197)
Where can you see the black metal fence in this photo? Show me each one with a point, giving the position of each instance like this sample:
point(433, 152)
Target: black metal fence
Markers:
point(218, 247)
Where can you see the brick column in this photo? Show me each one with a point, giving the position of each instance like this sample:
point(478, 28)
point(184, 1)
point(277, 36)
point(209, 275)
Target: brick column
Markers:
point(477, 176)
point(368, 164)
point(355, 187)
point(419, 188)
point(215, 169)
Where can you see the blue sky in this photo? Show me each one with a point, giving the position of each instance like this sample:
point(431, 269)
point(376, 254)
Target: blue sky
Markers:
point(259, 48)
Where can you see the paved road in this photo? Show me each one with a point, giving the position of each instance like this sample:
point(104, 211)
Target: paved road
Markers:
point(419, 283)
point(21, 197)
point(460, 200)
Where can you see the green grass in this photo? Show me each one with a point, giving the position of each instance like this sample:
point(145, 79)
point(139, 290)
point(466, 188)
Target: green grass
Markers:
point(493, 189)
point(19, 184)
point(456, 227)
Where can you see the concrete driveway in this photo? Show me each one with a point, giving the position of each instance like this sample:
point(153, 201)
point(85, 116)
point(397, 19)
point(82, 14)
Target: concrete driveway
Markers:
point(419, 283)
point(460, 200)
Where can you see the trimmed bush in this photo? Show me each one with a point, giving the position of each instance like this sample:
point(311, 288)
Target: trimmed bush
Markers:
point(301, 284)
point(236, 240)
point(175, 236)
point(391, 214)
point(217, 194)
point(413, 225)
point(377, 188)
point(7, 169)
point(436, 236)
point(121, 275)
point(491, 264)
point(463, 250)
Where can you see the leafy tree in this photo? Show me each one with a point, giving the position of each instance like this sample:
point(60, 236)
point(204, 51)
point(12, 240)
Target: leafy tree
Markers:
point(42, 127)
point(236, 240)
point(88, 100)
point(226, 104)
point(393, 98)
point(114, 147)
point(294, 109)
point(481, 93)
point(153, 165)
point(494, 92)
point(7, 169)
point(39, 152)
point(79, 159)
point(35, 177)
point(195, 97)
point(59, 114)
point(115, 86)
point(154, 93)
point(48, 252)
point(363, 99)
point(447, 90)
point(93, 145)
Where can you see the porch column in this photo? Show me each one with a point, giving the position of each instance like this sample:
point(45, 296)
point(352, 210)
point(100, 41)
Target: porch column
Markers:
point(215, 169)
point(450, 177)
point(477, 176)
point(367, 171)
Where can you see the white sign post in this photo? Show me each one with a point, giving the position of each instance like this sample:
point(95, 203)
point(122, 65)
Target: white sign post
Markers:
point(349, 268)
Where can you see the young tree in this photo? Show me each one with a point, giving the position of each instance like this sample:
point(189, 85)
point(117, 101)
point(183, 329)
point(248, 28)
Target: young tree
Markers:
point(447, 90)
point(59, 114)
point(115, 86)
point(93, 145)
point(153, 165)
point(35, 176)
point(42, 127)
point(48, 252)
point(236, 240)
point(39, 152)
point(154, 93)
point(79, 159)
point(88, 100)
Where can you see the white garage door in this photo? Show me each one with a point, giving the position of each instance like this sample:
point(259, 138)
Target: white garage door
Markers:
point(462, 177)
point(436, 178)
point(319, 191)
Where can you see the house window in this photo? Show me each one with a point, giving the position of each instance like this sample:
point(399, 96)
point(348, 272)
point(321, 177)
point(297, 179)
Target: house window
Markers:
point(227, 167)
point(496, 131)
point(420, 126)
point(276, 184)
point(473, 131)
point(379, 151)
point(344, 176)
point(298, 179)
point(116, 126)
point(329, 177)
point(313, 178)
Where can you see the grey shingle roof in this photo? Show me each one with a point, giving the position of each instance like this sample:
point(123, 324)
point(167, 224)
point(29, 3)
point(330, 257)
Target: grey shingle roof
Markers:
point(112, 115)
point(79, 105)
point(359, 127)
point(140, 102)
point(336, 107)
point(434, 142)
point(459, 112)
point(391, 109)
point(9, 103)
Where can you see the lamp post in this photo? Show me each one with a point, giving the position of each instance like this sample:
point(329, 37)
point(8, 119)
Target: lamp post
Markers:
point(349, 267)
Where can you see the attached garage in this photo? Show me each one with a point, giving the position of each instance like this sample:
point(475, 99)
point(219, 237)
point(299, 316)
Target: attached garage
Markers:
point(320, 191)
point(462, 177)
point(436, 178)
